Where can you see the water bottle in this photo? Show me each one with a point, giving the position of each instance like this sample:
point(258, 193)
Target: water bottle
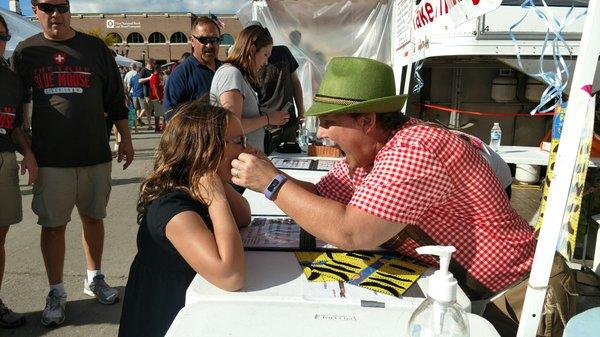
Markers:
point(311, 124)
point(495, 137)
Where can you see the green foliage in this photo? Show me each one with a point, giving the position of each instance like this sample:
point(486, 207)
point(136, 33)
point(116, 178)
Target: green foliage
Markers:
point(108, 39)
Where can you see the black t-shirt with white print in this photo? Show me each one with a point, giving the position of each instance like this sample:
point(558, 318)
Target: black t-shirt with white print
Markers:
point(72, 84)
point(11, 107)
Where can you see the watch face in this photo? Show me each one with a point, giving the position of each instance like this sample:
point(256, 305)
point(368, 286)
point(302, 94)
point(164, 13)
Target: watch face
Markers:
point(273, 185)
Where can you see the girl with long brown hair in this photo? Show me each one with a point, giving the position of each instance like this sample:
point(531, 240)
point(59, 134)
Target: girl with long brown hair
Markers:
point(234, 82)
point(189, 217)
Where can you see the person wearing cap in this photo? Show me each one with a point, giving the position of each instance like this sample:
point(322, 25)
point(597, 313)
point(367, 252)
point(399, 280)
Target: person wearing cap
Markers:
point(127, 79)
point(403, 184)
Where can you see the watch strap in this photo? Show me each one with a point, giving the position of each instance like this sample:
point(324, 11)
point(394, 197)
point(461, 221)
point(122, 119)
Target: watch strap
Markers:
point(274, 186)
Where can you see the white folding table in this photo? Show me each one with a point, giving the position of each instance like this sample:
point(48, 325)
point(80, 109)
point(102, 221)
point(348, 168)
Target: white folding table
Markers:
point(278, 299)
point(531, 155)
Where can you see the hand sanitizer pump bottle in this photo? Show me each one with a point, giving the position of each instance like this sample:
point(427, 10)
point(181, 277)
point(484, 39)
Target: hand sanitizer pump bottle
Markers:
point(439, 314)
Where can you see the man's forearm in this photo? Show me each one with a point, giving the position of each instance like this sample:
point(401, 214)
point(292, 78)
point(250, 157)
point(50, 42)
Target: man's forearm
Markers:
point(123, 128)
point(26, 108)
point(322, 217)
point(19, 138)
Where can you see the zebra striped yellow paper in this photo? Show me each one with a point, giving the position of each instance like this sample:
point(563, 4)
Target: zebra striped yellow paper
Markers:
point(382, 273)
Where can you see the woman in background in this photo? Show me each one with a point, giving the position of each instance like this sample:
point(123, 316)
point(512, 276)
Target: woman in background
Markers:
point(234, 82)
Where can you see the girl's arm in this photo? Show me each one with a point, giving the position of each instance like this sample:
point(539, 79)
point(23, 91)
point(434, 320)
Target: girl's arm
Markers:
point(239, 206)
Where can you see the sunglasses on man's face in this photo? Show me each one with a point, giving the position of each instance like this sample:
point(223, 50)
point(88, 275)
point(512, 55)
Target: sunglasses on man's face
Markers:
point(50, 8)
point(208, 39)
point(5, 37)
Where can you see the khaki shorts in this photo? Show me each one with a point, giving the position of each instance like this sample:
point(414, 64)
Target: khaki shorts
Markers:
point(158, 109)
point(11, 211)
point(149, 106)
point(58, 189)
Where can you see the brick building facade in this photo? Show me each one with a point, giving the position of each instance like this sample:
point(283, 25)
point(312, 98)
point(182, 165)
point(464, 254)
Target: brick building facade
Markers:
point(162, 36)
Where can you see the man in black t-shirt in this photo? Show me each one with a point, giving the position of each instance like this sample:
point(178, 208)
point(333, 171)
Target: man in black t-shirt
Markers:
point(73, 80)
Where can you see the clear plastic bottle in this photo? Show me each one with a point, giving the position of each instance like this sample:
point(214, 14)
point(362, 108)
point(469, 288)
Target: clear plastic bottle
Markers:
point(495, 137)
point(439, 315)
point(437, 319)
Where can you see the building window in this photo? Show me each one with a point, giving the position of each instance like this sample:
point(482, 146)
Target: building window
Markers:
point(135, 38)
point(157, 38)
point(116, 38)
point(227, 39)
point(179, 37)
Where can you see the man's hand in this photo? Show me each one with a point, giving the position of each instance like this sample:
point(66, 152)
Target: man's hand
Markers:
point(253, 171)
point(29, 164)
point(125, 152)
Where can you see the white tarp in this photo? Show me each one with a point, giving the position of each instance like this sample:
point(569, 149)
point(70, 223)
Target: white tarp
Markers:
point(317, 30)
point(126, 62)
point(19, 27)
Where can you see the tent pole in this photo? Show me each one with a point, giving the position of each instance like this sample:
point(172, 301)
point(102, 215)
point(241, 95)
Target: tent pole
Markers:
point(565, 165)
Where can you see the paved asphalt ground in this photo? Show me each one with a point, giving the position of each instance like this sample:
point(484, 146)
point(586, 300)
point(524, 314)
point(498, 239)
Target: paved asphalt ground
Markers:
point(25, 284)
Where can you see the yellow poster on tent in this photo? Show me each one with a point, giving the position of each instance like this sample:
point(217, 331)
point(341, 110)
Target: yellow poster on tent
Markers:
point(568, 236)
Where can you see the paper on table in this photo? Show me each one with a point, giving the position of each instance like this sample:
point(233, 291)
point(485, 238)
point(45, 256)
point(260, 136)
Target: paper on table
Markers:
point(288, 163)
point(382, 273)
point(303, 163)
point(325, 164)
point(274, 233)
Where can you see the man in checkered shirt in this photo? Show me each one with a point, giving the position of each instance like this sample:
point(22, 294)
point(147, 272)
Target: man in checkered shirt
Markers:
point(402, 184)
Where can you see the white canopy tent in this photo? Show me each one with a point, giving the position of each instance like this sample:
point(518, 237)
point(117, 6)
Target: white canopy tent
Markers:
point(19, 27)
point(125, 61)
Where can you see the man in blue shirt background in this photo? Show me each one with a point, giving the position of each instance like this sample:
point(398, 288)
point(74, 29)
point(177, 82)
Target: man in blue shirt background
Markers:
point(192, 78)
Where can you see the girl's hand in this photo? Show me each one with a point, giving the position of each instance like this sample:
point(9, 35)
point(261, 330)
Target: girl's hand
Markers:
point(212, 188)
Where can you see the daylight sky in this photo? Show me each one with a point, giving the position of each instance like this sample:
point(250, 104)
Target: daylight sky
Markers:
point(118, 6)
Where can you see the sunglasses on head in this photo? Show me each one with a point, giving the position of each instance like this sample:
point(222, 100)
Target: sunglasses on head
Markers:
point(5, 37)
point(50, 8)
point(206, 39)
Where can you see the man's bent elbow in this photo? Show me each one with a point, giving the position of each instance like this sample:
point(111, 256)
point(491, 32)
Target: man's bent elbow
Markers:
point(352, 242)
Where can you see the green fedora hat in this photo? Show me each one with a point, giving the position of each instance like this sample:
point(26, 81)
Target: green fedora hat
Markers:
point(356, 85)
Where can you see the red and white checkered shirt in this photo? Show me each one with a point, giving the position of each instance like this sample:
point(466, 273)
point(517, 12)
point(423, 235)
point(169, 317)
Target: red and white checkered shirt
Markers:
point(428, 177)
